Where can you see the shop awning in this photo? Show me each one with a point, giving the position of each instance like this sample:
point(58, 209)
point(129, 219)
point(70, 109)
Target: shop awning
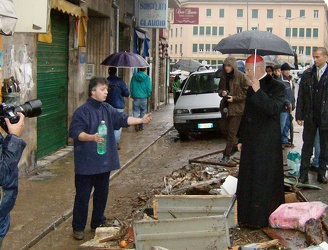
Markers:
point(67, 7)
point(8, 17)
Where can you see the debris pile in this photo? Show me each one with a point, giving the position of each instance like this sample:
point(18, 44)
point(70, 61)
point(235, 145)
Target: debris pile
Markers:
point(197, 178)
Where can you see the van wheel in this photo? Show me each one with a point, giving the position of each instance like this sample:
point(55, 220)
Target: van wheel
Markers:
point(183, 136)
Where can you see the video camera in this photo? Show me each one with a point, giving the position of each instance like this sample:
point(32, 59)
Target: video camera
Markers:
point(29, 109)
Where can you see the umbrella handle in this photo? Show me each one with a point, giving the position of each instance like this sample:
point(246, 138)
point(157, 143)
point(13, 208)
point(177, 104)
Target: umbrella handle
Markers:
point(255, 62)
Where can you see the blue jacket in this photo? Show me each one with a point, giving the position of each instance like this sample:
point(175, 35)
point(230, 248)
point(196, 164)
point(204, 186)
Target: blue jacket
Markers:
point(11, 149)
point(116, 92)
point(140, 86)
point(87, 119)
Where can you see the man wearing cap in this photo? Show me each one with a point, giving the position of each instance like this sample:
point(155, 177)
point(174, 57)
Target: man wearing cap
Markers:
point(260, 188)
point(312, 114)
point(289, 103)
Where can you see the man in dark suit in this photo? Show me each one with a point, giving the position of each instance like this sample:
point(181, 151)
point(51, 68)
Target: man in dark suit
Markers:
point(312, 113)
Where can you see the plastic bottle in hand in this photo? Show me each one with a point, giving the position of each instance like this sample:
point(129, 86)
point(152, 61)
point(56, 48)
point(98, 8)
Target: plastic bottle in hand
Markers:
point(102, 131)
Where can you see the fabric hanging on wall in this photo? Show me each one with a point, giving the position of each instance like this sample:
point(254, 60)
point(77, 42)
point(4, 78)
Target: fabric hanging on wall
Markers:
point(141, 43)
point(75, 11)
point(8, 18)
point(163, 49)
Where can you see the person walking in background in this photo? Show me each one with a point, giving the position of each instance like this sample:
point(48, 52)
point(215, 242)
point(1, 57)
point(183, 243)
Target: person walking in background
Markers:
point(92, 170)
point(285, 116)
point(12, 148)
point(311, 113)
point(140, 89)
point(260, 188)
point(116, 92)
point(269, 70)
point(232, 88)
point(176, 88)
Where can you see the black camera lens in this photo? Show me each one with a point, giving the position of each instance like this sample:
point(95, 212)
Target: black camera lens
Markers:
point(30, 109)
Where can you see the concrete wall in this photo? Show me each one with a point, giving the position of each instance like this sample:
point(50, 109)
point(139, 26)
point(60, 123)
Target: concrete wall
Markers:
point(19, 60)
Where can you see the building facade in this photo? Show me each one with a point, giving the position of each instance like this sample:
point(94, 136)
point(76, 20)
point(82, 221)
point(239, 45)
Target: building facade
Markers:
point(301, 23)
point(56, 67)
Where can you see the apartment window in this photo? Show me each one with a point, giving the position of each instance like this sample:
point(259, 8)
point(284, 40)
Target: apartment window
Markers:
point(239, 29)
point(270, 29)
point(287, 32)
point(171, 48)
point(176, 49)
point(176, 32)
point(213, 63)
point(308, 32)
point(288, 13)
point(195, 30)
point(294, 48)
point(315, 32)
point(255, 13)
point(240, 13)
point(301, 32)
point(208, 12)
point(307, 50)
point(294, 32)
point(171, 30)
point(180, 31)
point(254, 28)
point(201, 47)
point(221, 31)
point(201, 30)
point(208, 30)
point(221, 13)
point(316, 14)
point(214, 31)
point(194, 47)
point(208, 47)
point(300, 49)
point(302, 13)
point(269, 14)
point(213, 46)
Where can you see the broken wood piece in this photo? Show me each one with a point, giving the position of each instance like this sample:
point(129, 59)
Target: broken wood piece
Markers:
point(185, 188)
point(122, 232)
point(271, 243)
point(273, 235)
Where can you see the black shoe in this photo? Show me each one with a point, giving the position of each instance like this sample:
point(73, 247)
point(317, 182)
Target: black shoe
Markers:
point(225, 159)
point(322, 179)
point(304, 178)
point(78, 235)
point(313, 168)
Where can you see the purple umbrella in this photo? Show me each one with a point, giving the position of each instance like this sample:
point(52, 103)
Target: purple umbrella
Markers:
point(125, 60)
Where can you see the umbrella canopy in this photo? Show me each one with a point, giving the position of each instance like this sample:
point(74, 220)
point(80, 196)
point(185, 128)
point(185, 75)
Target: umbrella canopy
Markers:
point(188, 65)
point(125, 60)
point(254, 41)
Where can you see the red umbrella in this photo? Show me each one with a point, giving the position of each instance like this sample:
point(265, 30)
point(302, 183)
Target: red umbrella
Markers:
point(125, 60)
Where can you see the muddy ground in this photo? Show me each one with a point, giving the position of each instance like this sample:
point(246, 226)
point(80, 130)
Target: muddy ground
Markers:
point(131, 190)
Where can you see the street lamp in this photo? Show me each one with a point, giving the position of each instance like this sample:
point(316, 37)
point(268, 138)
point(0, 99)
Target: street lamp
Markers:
point(289, 20)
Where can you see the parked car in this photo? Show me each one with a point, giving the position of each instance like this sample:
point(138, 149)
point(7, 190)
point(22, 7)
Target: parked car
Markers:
point(197, 108)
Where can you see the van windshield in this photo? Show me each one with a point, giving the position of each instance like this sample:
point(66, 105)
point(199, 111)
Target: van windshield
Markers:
point(201, 84)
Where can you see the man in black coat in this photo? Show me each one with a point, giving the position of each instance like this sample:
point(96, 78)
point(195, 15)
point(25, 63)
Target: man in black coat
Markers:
point(260, 188)
point(312, 113)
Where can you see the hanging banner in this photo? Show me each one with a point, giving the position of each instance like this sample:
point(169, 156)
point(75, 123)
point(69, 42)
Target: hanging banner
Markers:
point(153, 13)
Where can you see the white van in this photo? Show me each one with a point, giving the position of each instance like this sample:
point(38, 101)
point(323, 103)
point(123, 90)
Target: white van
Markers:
point(197, 108)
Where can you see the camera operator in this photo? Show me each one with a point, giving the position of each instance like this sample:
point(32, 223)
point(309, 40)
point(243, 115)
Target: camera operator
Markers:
point(11, 149)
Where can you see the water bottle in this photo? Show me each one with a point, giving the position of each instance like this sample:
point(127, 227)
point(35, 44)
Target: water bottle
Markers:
point(102, 131)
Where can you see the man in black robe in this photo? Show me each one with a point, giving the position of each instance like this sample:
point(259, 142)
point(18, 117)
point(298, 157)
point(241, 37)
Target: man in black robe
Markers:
point(260, 188)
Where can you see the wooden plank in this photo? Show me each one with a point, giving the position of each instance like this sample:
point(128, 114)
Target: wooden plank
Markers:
point(274, 235)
